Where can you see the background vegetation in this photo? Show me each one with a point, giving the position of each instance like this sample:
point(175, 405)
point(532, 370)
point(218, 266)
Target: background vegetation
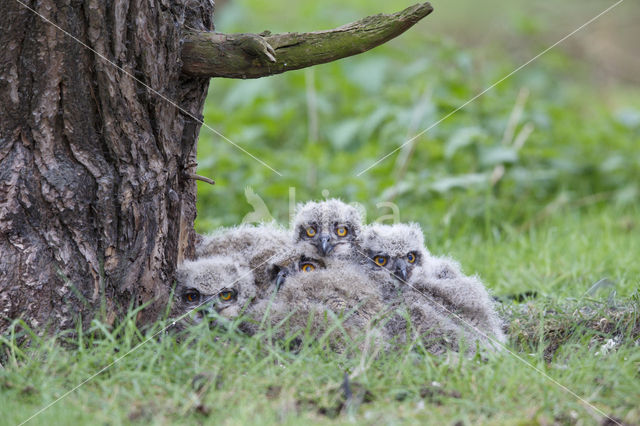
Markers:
point(563, 215)
point(321, 127)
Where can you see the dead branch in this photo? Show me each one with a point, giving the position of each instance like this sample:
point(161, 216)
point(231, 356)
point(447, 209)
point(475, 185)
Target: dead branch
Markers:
point(201, 178)
point(207, 54)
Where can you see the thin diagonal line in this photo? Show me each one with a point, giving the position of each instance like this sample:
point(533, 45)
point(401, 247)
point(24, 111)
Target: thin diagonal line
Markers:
point(497, 342)
point(103, 369)
point(150, 88)
point(492, 86)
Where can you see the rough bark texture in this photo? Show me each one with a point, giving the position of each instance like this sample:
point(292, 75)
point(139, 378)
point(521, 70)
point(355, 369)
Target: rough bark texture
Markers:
point(249, 55)
point(97, 190)
point(95, 199)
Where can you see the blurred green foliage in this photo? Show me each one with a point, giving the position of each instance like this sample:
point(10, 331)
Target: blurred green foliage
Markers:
point(538, 171)
point(584, 139)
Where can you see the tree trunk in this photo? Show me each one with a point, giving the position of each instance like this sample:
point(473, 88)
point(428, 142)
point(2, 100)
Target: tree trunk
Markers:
point(98, 131)
point(96, 202)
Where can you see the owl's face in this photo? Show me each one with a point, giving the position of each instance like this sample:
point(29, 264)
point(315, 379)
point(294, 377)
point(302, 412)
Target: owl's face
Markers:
point(302, 264)
point(398, 249)
point(400, 266)
point(210, 287)
point(331, 227)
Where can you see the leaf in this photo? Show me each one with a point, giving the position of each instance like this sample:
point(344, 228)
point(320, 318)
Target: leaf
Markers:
point(344, 133)
point(613, 163)
point(628, 117)
point(397, 189)
point(628, 195)
point(525, 176)
point(246, 93)
point(491, 156)
point(462, 138)
point(375, 119)
point(461, 181)
point(369, 74)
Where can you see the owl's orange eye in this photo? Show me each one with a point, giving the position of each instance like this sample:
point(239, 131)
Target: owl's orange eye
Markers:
point(226, 295)
point(191, 296)
point(411, 257)
point(341, 231)
point(380, 260)
point(311, 232)
point(307, 267)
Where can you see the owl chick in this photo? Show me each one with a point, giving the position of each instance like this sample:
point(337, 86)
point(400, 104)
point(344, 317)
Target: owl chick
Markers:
point(331, 227)
point(253, 246)
point(431, 288)
point(209, 286)
point(417, 318)
point(337, 300)
point(290, 262)
point(442, 278)
point(398, 249)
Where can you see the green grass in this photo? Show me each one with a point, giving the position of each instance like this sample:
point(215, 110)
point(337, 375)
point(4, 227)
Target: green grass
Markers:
point(564, 216)
point(242, 380)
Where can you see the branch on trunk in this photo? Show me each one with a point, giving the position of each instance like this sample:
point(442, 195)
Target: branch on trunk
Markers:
point(201, 178)
point(206, 54)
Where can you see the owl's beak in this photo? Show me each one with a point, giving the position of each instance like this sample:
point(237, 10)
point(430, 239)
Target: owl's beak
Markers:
point(208, 309)
point(203, 313)
point(323, 245)
point(281, 277)
point(401, 270)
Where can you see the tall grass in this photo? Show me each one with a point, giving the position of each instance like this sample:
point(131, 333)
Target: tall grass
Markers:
point(534, 186)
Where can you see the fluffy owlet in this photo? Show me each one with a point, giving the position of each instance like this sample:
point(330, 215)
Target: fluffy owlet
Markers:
point(210, 286)
point(253, 246)
point(390, 254)
point(442, 279)
point(430, 290)
point(419, 318)
point(337, 302)
point(290, 262)
point(330, 227)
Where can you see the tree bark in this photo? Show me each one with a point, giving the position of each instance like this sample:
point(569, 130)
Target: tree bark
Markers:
point(96, 199)
point(98, 132)
point(207, 54)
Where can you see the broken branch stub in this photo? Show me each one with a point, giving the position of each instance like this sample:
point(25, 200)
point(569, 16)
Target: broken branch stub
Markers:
point(207, 54)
